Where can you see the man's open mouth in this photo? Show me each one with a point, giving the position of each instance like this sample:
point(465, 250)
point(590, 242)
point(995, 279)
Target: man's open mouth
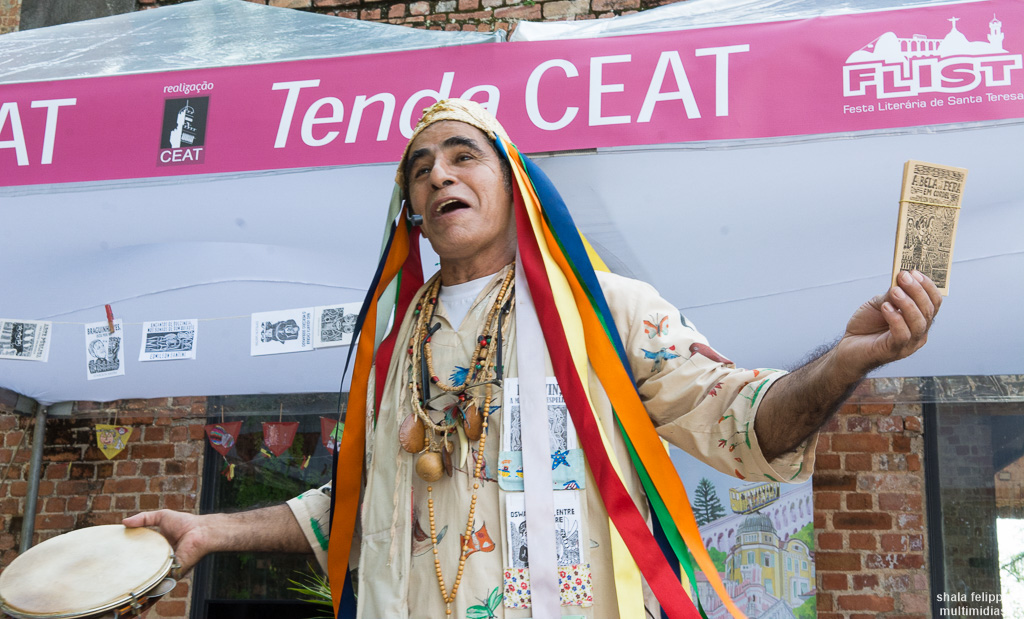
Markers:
point(451, 205)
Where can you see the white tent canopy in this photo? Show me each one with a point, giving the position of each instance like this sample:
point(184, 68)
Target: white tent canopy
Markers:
point(768, 275)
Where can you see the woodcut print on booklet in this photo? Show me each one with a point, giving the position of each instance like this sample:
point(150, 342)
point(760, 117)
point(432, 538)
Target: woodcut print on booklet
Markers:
point(929, 210)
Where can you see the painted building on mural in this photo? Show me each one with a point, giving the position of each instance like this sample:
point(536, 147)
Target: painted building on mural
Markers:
point(767, 564)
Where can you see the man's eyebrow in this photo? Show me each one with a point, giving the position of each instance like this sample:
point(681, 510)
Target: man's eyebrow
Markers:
point(452, 142)
point(460, 140)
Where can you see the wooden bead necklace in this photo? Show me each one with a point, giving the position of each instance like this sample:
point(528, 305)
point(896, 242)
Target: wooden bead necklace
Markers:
point(485, 371)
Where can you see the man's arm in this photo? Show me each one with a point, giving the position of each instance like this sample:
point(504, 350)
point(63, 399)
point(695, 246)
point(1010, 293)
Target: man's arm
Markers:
point(886, 328)
point(269, 529)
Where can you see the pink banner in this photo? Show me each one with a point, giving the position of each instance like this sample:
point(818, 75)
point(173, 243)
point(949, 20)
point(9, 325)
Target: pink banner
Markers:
point(880, 70)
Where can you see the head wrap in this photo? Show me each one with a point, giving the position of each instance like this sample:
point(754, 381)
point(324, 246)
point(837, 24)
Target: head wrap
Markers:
point(461, 110)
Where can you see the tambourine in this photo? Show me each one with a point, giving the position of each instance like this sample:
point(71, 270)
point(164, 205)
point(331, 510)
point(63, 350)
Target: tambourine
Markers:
point(106, 572)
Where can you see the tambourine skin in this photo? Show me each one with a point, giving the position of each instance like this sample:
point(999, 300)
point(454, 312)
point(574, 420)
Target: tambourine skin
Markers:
point(87, 573)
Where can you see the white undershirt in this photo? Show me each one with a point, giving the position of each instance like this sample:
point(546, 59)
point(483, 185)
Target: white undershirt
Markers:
point(458, 299)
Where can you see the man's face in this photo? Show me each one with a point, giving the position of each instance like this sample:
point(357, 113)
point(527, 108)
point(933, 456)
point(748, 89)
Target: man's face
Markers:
point(455, 181)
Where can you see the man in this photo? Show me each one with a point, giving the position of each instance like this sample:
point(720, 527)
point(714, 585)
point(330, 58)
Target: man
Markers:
point(433, 544)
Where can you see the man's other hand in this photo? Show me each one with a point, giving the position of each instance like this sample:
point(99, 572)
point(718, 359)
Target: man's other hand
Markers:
point(182, 530)
point(890, 326)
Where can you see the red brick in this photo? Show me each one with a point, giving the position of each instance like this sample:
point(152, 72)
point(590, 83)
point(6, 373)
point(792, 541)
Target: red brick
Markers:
point(56, 505)
point(826, 500)
point(901, 444)
point(469, 5)
point(126, 502)
point(858, 424)
point(396, 11)
point(197, 432)
point(862, 443)
point(614, 5)
point(55, 470)
point(101, 503)
point(159, 451)
point(81, 470)
point(59, 522)
point(174, 501)
point(131, 484)
point(834, 482)
point(78, 503)
point(172, 608)
point(876, 409)
point(858, 501)
point(834, 582)
point(837, 561)
point(912, 424)
point(913, 462)
point(899, 502)
point(864, 581)
point(154, 434)
point(149, 469)
point(368, 14)
point(519, 12)
point(861, 521)
point(149, 502)
point(830, 541)
point(889, 482)
point(862, 541)
point(858, 462)
point(476, 15)
point(865, 602)
point(849, 409)
point(827, 462)
point(126, 468)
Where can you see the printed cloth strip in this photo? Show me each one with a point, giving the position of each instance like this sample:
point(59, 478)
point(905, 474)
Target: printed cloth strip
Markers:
point(533, 416)
point(621, 389)
point(628, 585)
point(620, 506)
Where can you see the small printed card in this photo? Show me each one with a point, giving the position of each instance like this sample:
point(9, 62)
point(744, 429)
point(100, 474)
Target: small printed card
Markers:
point(561, 431)
point(104, 356)
point(335, 324)
point(282, 331)
point(169, 339)
point(567, 528)
point(26, 340)
point(929, 211)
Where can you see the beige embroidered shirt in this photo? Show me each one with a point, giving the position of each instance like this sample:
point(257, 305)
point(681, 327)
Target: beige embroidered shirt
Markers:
point(697, 400)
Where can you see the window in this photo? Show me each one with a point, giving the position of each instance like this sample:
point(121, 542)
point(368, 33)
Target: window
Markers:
point(250, 584)
point(974, 435)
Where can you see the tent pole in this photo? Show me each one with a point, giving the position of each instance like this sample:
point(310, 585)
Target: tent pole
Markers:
point(35, 472)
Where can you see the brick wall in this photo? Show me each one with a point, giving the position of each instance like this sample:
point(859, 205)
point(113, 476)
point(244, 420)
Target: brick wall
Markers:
point(475, 15)
point(870, 527)
point(10, 15)
point(869, 512)
point(159, 469)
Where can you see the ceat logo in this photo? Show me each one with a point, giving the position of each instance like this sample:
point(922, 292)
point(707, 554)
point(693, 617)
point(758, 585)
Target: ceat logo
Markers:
point(183, 131)
point(892, 66)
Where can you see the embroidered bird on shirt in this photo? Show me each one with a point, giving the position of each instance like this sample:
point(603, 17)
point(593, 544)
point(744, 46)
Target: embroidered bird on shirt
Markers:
point(660, 357)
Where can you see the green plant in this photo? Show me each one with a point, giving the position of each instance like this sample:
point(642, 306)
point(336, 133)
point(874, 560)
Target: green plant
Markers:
point(314, 588)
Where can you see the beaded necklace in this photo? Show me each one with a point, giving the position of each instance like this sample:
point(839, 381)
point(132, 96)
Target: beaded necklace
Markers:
point(465, 418)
